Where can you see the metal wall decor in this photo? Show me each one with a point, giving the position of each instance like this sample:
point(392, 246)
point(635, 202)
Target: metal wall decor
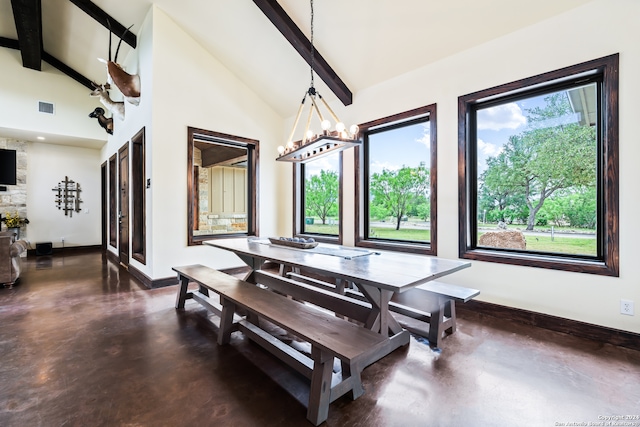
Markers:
point(68, 196)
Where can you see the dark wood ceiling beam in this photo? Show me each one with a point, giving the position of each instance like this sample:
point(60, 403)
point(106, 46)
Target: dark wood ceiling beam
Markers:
point(67, 70)
point(301, 43)
point(27, 15)
point(54, 62)
point(107, 21)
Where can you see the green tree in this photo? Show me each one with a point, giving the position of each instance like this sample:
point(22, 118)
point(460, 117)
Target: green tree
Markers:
point(396, 190)
point(550, 155)
point(321, 195)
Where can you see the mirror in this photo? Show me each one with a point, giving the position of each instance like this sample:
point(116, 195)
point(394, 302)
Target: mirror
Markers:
point(221, 186)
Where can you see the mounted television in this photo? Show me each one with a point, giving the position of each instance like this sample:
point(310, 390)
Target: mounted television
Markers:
point(7, 167)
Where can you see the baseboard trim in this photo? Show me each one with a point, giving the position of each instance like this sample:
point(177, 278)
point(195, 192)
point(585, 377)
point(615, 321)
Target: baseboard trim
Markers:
point(113, 257)
point(170, 281)
point(68, 249)
point(150, 283)
point(576, 328)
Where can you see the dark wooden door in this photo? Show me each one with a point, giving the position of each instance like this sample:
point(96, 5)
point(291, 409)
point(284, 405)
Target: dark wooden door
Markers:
point(123, 213)
point(103, 204)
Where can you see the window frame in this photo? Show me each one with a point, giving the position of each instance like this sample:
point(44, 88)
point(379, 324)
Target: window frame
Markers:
point(253, 153)
point(607, 261)
point(298, 205)
point(362, 188)
point(138, 205)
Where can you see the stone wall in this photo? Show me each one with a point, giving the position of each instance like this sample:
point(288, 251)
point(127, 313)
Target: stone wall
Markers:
point(15, 198)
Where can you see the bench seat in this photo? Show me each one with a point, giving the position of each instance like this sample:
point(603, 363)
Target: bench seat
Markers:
point(328, 335)
point(432, 303)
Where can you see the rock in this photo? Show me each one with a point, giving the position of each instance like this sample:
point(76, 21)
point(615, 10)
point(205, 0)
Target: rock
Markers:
point(506, 239)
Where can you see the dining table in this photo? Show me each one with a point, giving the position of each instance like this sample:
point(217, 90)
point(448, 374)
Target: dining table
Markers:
point(377, 275)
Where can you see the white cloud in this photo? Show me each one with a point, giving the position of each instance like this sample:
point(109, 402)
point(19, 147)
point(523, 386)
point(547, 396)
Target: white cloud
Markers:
point(488, 149)
point(324, 163)
point(507, 116)
point(377, 167)
point(426, 136)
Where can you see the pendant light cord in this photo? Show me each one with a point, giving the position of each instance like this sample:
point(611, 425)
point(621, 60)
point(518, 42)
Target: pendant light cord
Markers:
point(312, 47)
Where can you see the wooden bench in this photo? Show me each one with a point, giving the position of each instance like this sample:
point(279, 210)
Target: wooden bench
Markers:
point(432, 303)
point(328, 335)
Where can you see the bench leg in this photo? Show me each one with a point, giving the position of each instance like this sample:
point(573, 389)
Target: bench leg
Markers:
point(437, 324)
point(203, 290)
point(182, 292)
point(353, 373)
point(450, 312)
point(320, 393)
point(226, 321)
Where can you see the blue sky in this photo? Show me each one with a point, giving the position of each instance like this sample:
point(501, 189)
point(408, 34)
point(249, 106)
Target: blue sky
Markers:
point(405, 146)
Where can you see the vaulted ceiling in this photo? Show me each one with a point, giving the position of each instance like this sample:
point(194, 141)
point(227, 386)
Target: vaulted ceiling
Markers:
point(364, 42)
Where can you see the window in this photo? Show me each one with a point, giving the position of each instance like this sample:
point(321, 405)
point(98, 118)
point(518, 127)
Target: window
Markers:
point(396, 182)
point(540, 163)
point(222, 185)
point(318, 199)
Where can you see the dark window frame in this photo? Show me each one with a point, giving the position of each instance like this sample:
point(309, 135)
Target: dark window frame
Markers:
point(253, 171)
point(362, 188)
point(113, 200)
point(607, 261)
point(138, 208)
point(298, 205)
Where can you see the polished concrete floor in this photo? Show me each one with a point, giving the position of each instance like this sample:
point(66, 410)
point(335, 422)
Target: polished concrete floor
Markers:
point(82, 343)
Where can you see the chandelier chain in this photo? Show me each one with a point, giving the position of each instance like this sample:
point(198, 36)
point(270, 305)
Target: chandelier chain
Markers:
point(312, 47)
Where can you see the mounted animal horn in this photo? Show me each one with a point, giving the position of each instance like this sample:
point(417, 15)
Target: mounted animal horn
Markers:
point(119, 43)
point(128, 84)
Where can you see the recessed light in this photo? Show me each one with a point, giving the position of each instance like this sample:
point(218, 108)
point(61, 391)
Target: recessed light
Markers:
point(41, 138)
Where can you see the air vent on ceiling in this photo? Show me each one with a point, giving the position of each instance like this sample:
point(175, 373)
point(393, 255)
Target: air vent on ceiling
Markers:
point(45, 107)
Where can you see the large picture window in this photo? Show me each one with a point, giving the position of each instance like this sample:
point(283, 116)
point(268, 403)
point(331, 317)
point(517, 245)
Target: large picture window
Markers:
point(318, 189)
point(540, 162)
point(397, 182)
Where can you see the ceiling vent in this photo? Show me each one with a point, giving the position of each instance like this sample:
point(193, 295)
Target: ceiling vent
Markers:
point(45, 107)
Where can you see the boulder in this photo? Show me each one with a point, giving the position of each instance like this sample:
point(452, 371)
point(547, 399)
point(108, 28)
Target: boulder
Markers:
point(506, 239)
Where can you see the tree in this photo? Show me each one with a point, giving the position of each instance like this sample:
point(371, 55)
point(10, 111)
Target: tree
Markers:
point(321, 195)
point(395, 190)
point(549, 156)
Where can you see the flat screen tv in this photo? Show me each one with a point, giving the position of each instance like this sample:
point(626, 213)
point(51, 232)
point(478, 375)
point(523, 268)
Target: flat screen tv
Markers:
point(7, 167)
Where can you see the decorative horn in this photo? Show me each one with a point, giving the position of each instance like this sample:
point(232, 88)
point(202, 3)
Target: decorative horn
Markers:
point(120, 42)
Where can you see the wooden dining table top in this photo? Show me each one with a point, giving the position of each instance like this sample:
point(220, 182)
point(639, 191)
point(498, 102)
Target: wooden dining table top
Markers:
point(388, 270)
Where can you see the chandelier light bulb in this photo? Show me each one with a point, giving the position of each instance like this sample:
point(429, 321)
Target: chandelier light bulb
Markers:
point(354, 129)
point(290, 144)
point(280, 149)
point(340, 127)
point(326, 125)
point(309, 134)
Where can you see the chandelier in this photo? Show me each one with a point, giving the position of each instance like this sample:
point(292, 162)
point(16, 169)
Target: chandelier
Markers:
point(314, 145)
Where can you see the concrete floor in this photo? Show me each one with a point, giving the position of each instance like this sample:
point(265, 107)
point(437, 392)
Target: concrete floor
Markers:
point(82, 343)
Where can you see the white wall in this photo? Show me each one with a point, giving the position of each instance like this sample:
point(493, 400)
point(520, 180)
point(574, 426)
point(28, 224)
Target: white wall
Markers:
point(22, 88)
point(597, 29)
point(47, 165)
point(183, 85)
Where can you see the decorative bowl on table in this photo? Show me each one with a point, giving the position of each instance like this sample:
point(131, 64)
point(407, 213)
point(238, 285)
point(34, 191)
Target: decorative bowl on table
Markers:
point(295, 242)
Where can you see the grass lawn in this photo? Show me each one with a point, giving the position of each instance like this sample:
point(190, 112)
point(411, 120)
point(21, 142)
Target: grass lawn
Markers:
point(408, 234)
point(562, 245)
point(539, 243)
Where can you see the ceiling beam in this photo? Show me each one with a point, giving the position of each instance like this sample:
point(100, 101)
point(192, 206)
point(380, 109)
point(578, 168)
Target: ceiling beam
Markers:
point(54, 62)
point(301, 43)
point(27, 15)
point(107, 21)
